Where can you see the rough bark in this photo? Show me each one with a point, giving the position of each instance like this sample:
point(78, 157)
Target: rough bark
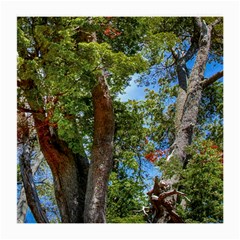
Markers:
point(69, 170)
point(22, 204)
point(189, 99)
point(102, 154)
point(182, 94)
point(183, 76)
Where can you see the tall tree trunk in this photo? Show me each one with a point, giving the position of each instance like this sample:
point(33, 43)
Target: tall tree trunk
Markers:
point(102, 150)
point(69, 170)
point(188, 101)
point(102, 154)
point(190, 96)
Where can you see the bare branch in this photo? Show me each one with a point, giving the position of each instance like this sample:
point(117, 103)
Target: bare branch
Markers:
point(169, 193)
point(212, 79)
point(143, 209)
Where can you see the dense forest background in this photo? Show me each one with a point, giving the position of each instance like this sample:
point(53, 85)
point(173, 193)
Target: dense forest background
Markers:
point(85, 155)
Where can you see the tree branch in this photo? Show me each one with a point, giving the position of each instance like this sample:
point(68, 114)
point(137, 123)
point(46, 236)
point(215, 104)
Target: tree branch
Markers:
point(218, 20)
point(190, 53)
point(212, 79)
point(175, 55)
point(22, 109)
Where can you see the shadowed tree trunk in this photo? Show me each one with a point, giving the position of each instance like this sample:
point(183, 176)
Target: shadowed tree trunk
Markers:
point(69, 170)
point(70, 176)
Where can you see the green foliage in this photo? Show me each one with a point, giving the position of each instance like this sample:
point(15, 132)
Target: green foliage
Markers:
point(64, 63)
point(126, 186)
point(57, 55)
point(170, 168)
point(125, 197)
point(211, 121)
point(157, 44)
point(203, 183)
point(129, 219)
point(159, 115)
point(130, 131)
point(45, 189)
point(130, 29)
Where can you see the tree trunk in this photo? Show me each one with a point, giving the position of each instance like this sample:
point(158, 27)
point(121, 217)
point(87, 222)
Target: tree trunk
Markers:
point(22, 202)
point(188, 101)
point(29, 185)
point(189, 98)
point(69, 170)
point(102, 154)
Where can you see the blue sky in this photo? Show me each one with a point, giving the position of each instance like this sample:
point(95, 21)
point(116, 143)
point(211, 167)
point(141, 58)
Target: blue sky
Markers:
point(133, 91)
point(29, 217)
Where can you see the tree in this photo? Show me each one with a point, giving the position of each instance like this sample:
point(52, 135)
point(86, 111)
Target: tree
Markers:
point(203, 182)
point(128, 178)
point(190, 94)
point(57, 88)
point(70, 72)
point(197, 41)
